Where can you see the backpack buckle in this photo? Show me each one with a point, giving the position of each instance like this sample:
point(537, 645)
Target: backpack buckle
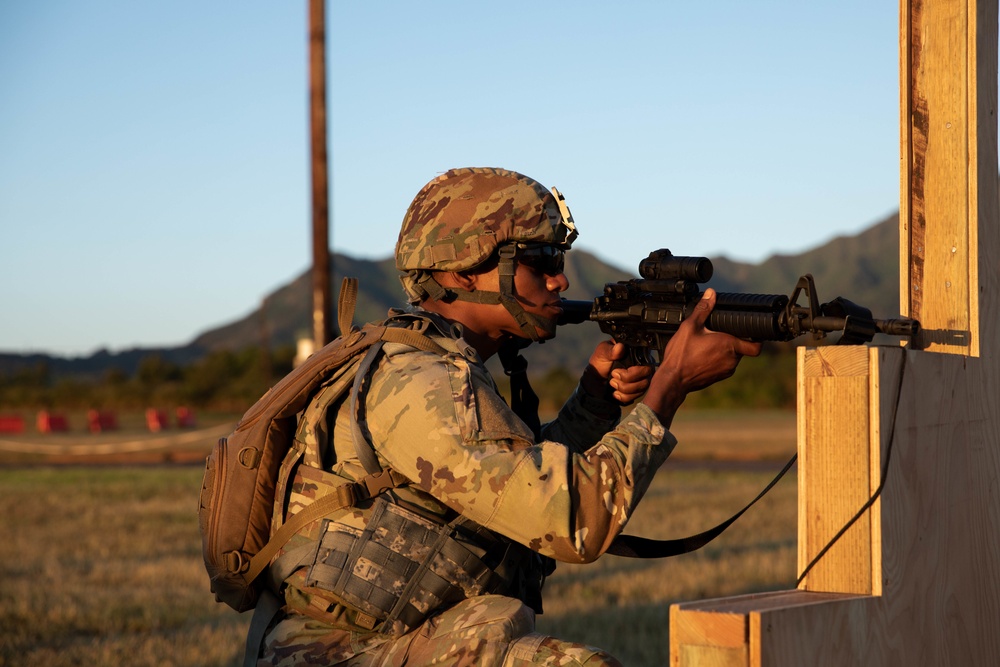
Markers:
point(378, 482)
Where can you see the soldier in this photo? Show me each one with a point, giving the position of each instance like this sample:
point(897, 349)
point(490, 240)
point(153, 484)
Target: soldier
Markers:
point(447, 566)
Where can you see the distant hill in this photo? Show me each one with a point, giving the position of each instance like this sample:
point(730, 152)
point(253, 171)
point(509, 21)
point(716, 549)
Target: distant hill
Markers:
point(96, 365)
point(286, 312)
point(862, 268)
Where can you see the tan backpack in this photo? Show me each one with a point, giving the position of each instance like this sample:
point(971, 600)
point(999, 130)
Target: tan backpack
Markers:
point(237, 495)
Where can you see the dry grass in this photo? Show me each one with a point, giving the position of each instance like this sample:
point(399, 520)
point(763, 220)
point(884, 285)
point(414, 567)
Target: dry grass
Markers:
point(102, 565)
point(734, 435)
point(622, 604)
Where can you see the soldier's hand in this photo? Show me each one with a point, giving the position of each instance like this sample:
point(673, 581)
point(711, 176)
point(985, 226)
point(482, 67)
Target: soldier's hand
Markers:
point(695, 358)
point(601, 378)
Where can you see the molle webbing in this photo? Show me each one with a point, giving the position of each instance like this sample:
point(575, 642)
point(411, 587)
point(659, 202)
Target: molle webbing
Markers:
point(348, 495)
point(400, 568)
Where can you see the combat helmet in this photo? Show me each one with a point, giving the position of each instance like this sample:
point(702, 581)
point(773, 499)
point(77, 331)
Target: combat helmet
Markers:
point(465, 217)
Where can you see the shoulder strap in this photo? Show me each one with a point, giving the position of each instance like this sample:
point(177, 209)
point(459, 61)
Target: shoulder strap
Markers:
point(362, 444)
point(268, 606)
point(346, 304)
point(377, 480)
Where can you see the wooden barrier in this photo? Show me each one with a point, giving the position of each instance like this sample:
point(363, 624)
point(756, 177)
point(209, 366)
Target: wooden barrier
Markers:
point(49, 422)
point(11, 424)
point(99, 421)
point(156, 420)
point(915, 578)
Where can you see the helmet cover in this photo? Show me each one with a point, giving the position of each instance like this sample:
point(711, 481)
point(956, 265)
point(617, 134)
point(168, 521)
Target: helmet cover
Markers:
point(459, 219)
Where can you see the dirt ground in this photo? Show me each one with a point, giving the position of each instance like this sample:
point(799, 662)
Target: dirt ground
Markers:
point(703, 436)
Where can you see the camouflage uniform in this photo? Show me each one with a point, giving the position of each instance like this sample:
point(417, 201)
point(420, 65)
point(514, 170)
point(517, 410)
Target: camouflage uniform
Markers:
point(439, 421)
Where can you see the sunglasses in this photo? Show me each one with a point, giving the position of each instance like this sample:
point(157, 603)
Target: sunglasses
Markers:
point(544, 258)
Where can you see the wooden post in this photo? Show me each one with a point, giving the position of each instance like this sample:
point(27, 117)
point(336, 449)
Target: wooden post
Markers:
point(322, 301)
point(915, 579)
point(948, 91)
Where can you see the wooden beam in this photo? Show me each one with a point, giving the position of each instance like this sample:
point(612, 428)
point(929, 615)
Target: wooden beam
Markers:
point(948, 74)
point(835, 471)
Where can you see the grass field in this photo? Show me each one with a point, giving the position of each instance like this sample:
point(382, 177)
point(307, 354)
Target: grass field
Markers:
point(101, 564)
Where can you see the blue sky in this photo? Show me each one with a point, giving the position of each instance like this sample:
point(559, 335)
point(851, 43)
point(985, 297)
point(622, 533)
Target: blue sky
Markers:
point(154, 157)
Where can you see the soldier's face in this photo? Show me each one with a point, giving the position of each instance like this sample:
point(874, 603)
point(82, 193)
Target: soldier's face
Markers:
point(537, 292)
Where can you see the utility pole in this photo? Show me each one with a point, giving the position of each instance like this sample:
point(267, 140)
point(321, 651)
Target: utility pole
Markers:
point(321, 271)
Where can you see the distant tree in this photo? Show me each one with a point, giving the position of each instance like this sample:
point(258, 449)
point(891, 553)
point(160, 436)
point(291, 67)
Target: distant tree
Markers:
point(26, 387)
point(154, 369)
point(767, 381)
point(554, 388)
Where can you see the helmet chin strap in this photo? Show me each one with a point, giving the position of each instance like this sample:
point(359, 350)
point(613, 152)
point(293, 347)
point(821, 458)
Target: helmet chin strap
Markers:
point(528, 322)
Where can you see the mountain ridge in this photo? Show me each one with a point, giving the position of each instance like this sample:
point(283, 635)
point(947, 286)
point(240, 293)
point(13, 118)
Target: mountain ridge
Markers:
point(863, 267)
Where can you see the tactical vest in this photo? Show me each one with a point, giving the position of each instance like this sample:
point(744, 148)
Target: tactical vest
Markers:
point(386, 563)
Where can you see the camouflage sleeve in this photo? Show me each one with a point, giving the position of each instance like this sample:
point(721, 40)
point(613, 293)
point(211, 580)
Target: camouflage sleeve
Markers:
point(439, 421)
point(582, 421)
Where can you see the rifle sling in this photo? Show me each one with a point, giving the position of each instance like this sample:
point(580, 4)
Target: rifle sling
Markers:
point(632, 546)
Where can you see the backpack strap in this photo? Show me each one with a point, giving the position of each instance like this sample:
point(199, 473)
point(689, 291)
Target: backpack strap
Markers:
point(346, 302)
point(345, 496)
point(268, 606)
point(378, 479)
point(362, 443)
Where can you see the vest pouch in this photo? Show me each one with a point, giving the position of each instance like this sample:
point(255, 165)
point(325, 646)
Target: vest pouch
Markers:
point(400, 568)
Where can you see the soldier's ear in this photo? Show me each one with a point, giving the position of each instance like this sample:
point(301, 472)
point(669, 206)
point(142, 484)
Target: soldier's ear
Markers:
point(464, 280)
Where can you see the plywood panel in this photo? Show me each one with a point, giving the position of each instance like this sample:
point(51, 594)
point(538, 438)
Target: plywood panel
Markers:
point(816, 635)
point(941, 516)
point(707, 637)
point(712, 656)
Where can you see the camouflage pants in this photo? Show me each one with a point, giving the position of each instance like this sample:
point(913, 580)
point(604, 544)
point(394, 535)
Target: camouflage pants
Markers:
point(489, 630)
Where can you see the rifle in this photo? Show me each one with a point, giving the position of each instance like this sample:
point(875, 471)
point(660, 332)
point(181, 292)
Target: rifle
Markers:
point(643, 313)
